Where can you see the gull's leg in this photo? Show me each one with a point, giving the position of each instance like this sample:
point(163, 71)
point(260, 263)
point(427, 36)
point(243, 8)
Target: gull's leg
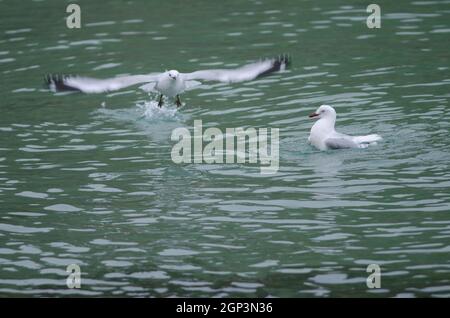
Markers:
point(178, 101)
point(160, 102)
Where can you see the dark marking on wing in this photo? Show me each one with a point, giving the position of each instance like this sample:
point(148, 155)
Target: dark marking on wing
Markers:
point(283, 59)
point(59, 82)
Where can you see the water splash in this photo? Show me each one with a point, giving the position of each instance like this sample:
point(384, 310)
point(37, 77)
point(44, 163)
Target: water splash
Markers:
point(147, 117)
point(151, 110)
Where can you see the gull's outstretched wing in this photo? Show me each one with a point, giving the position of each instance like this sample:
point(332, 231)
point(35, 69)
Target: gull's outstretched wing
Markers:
point(244, 73)
point(94, 85)
point(340, 143)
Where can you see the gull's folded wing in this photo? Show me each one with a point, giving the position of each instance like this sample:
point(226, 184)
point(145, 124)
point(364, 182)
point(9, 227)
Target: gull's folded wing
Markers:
point(93, 85)
point(340, 143)
point(245, 73)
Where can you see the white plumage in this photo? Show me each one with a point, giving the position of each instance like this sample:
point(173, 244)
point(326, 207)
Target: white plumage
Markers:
point(323, 135)
point(170, 83)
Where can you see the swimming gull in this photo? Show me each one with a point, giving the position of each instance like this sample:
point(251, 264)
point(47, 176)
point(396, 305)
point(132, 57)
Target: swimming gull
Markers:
point(323, 136)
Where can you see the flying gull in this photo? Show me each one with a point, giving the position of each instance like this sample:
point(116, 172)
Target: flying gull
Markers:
point(323, 136)
point(170, 83)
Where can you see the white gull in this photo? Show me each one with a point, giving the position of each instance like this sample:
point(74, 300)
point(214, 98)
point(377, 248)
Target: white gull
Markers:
point(323, 136)
point(169, 83)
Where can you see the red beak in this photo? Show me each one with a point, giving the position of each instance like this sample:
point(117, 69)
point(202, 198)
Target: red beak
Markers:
point(313, 115)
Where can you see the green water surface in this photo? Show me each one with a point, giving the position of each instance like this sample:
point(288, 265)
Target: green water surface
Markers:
point(89, 180)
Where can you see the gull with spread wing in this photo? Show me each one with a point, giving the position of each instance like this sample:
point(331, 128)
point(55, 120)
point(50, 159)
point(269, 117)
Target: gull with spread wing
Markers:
point(170, 83)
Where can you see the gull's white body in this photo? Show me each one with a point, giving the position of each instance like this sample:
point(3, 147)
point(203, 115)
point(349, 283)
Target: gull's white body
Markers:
point(320, 131)
point(323, 135)
point(170, 86)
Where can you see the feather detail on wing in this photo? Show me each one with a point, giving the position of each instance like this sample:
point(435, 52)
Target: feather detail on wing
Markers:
point(340, 143)
point(93, 85)
point(244, 73)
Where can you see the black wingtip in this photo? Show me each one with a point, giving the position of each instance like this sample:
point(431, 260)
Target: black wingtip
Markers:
point(56, 82)
point(282, 61)
point(279, 63)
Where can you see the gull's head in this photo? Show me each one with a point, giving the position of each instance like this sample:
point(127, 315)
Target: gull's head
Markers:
point(173, 74)
point(324, 111)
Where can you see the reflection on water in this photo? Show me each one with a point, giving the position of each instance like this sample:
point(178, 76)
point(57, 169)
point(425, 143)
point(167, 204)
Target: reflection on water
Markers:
point(88, 179)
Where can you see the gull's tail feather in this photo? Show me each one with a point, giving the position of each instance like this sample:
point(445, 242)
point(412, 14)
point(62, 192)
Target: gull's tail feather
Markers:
point(367, 139)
